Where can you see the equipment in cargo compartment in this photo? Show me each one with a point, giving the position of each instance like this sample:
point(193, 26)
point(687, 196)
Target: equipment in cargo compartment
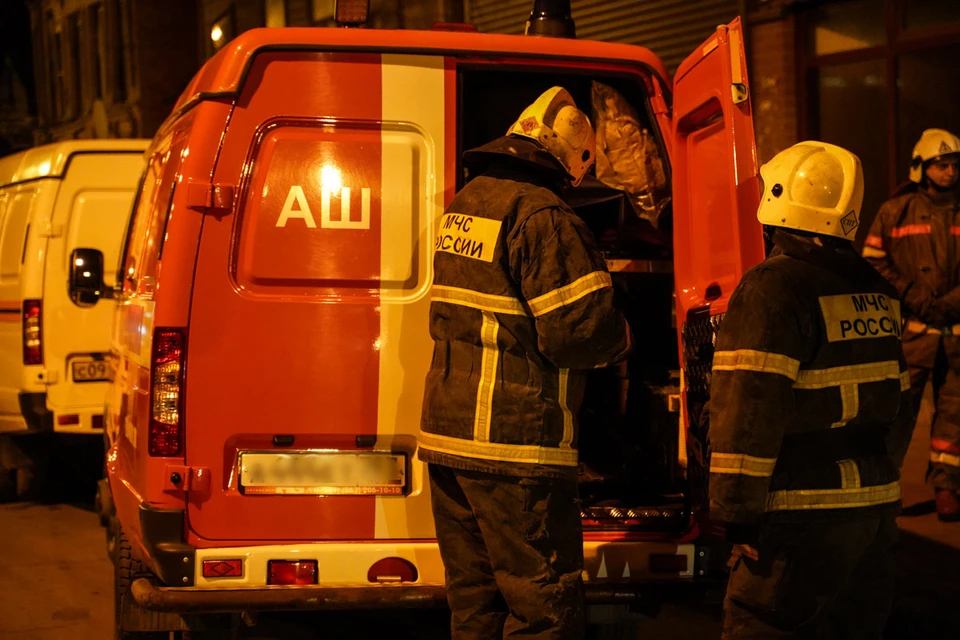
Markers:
point(627, 154)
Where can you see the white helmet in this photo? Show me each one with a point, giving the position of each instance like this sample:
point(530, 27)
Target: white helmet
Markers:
point(815, 187)
point(556, 123)
point(932, 144)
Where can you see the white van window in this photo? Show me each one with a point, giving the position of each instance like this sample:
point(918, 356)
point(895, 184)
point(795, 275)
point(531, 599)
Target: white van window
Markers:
point(14, 239)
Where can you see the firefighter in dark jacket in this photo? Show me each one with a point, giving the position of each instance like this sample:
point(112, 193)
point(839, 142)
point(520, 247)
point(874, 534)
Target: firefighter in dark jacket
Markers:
point(522, 305)
point(809, 415)
point(915, 243)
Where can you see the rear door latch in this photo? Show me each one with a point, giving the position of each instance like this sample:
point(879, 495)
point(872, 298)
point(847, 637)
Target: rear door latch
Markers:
point(181, 478)
point(205, 197)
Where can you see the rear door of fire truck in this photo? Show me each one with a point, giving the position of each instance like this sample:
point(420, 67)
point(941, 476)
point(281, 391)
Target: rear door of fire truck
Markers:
point(300, 386)
point(716, 193)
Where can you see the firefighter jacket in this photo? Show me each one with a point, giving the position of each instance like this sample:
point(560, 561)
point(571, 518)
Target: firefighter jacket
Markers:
point(810, 397)
point(522, 304)
point(915, 243)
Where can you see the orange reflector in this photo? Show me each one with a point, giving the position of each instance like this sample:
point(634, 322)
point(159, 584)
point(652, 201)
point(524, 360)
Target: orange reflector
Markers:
point(668, 563)
point(232, 568)
point(68, 419)
point(292, 572)
point(392, 570)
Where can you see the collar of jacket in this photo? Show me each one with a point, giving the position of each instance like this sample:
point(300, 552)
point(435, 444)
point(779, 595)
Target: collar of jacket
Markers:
point(939, 198)
point(528, 174)
point(840, 259)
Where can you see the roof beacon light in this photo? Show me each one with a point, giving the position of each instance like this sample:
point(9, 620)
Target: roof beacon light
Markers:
point(551, 18)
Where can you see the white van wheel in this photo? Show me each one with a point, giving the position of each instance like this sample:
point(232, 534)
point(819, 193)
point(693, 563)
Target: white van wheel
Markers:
point(8, 484)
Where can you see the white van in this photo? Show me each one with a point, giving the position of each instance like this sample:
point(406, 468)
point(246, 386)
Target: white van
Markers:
point(63, 211)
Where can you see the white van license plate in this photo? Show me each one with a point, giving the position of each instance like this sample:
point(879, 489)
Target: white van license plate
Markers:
point(322, 473)
point(90, 370)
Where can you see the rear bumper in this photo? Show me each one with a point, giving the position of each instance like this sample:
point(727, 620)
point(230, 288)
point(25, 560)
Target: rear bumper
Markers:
point(37, 417)
point(388, 596)
point(194, 600)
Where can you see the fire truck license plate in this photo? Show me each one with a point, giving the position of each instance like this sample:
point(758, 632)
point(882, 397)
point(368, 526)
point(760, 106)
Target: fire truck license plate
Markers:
point(321, 473)
point(90, 370)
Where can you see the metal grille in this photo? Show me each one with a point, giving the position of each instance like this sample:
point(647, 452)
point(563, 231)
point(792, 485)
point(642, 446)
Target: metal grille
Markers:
point(699, 337)
point(671, 29)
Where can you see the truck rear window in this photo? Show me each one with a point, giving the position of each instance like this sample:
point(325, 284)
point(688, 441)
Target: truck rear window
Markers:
point(334, 208)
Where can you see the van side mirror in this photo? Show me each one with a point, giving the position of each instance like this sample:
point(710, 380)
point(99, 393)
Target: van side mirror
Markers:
point(86, 277)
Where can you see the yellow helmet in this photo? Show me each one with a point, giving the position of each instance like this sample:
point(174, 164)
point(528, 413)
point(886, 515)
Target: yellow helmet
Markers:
point(556, 123)
point(815, 187)
point(932, 144)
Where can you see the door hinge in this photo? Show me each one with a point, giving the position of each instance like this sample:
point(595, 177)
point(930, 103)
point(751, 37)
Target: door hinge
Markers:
point(51, 231)
point(180, 478)
point(659, 105)
point(738, 86)
point(210, 198)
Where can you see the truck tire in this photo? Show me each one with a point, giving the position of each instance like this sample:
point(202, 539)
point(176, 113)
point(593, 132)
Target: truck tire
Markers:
point(127, 569)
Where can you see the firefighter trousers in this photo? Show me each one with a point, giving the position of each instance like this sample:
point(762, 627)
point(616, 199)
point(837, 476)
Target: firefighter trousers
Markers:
point(823, 581)
point(512, 549)
point(935, 358)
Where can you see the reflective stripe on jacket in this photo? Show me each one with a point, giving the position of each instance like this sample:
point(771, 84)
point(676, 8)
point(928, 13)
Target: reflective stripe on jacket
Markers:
point(522, 303)
point(809, 402)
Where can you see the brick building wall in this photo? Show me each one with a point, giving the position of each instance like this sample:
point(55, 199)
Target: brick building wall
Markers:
point(773, 76)
point(110, 68)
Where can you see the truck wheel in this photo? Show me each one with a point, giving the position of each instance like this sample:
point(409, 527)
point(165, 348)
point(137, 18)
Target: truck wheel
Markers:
point(111, 538)
point(126, 570)
point(103, 503)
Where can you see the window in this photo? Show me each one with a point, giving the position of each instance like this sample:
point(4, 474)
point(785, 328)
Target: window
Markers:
point(851, 25)
point(322, 12)
point(222, 30)
point(72, 62)
point(95, 25)
point(275, 13)
point(118, 51)
point(879, 72)
point(136, 235)
point(925, 14)
point(55, 62)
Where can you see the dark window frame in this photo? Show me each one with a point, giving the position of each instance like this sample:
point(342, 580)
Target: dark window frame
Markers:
point(899, 41)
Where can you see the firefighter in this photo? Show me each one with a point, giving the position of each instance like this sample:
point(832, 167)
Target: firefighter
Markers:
point(522, 305)
point(914, 243)
point(809, 415)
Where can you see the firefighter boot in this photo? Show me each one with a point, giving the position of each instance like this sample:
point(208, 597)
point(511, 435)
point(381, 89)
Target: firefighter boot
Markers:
point(948, 505)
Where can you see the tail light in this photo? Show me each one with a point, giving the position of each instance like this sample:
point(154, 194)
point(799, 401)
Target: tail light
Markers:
point(32, 332)
point(166, 393)
point(292, 572)
point(392, 570)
